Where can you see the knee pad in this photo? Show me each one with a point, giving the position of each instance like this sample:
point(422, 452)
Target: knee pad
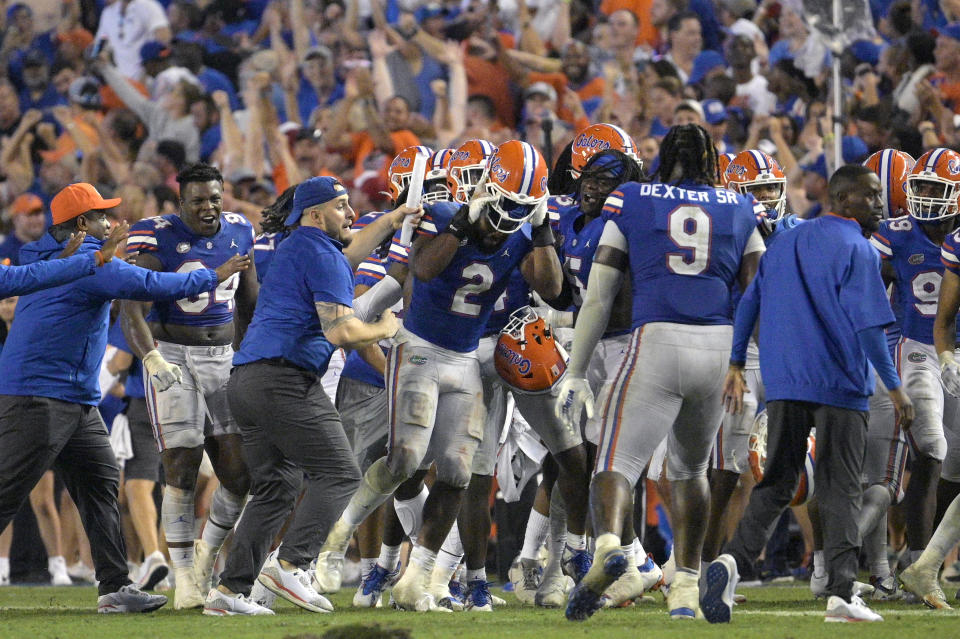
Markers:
point(454, 469)
point(225, 507)
point(402, 462)
point(410, 512)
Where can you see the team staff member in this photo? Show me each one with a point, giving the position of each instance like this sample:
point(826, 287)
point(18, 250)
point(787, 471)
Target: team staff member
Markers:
point(291, 431)
point(820, 284)
point(50, 388)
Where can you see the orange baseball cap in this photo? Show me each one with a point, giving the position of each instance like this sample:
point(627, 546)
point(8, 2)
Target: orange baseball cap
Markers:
point(77, 199)
point(26, 204)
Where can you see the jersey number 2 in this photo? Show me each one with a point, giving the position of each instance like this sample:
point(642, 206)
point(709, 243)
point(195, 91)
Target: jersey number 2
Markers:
point(689, 229)
point(480, 278)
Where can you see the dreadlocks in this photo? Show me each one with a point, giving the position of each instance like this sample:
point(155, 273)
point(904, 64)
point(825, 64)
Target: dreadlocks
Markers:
point(613, 164)
point(275, 214)
point(687, 154)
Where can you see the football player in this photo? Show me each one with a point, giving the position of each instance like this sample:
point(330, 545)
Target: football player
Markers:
point(886, 453)
point(460, 262)
point(750, 173)
point(910, 248)
point(186, 351)
point(685, 242)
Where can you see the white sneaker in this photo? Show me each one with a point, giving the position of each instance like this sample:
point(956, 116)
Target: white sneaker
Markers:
point(410, 592)
point(5, 574)
point(262, 596)
point(861, 589)
point(57, 567)
point(153, 571)
point(553, 589)
point(328, 575)
point(721, 581)
point(204, 556)
point(129, 599)
point(292, 585)
point(82, 572)
point(651, 573)
point(839, 610)
point(186, 594)
point(220, 604)
point(886, 589)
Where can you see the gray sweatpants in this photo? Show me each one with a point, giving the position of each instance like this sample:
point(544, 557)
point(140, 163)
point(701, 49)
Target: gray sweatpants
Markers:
point(39, 433)
point(292, 436)
point(841, 445)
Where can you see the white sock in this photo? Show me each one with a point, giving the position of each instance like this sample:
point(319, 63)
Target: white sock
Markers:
point(476, 575)
point(389, 556)
point(376, 487)
point(944, 537)
point(445, 568)
point(56, 564)
point(424, 558)
point(631, 558)
point(4, 566)
point(639, 553)
point(225, 509)
point(366, 565)
point(176, 512)
point(577, 542)
point(537, 528)
point(819, 564)
point(410, 513)
point(558, 533)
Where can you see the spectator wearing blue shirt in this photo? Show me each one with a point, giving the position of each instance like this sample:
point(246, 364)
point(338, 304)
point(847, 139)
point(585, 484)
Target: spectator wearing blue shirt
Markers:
point(38, 92)
point(26, 214)
point(291, 431)
point(820, 285)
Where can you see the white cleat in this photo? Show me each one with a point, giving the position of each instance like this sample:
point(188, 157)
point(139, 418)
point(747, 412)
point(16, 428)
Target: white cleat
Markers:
point(220, 604)
point(129, 599)
point(683, 599)
point(625, 590)
point(839, 610)
point(410, 592)
point(204, 556)
point(553, 590)
point(328, 574)
point(186, 594)
point(924, 585)
point(57, 567)
point(721, 581)
point(82, 572)
point(292, 585)
point(526, 575)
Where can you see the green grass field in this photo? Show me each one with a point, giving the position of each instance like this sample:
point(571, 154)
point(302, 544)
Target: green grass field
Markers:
point(770, 613)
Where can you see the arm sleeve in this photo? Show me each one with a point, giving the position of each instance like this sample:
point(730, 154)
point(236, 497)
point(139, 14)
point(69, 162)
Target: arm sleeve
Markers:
point(22, 280)
point(377, 299)
point(873, 341)
point(745, 319)
point(119, 280)
point(863, 297)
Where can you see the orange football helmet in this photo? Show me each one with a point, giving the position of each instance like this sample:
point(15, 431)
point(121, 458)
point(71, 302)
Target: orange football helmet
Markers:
point(723, 161)
point(596, 138)
point(757, 456)
point(753, 172)
point(401, 170)
point(435, 181)
point(466, 168)
point(892, 167)
point(933, 185)
point(527, 357)
point(517, 177)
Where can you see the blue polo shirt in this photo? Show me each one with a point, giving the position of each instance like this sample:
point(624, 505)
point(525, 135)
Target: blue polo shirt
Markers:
point(308, 267)
point(817, 292)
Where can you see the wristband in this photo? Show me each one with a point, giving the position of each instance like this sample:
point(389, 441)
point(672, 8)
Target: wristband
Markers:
point(542, 235)
point(737, 364)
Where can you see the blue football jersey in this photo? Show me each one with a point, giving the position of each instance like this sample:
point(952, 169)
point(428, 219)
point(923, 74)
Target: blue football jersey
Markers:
point(916, 261)
point(180, 251)
point(452, 309)
point(264, 248)
point(684, 244)
point(576, 246)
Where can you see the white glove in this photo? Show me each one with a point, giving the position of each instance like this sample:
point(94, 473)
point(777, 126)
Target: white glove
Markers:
point(162, 373)
point(480, 198)
point(574, 396)
point(539, 212)
point(950, 373)
point(550, 315)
